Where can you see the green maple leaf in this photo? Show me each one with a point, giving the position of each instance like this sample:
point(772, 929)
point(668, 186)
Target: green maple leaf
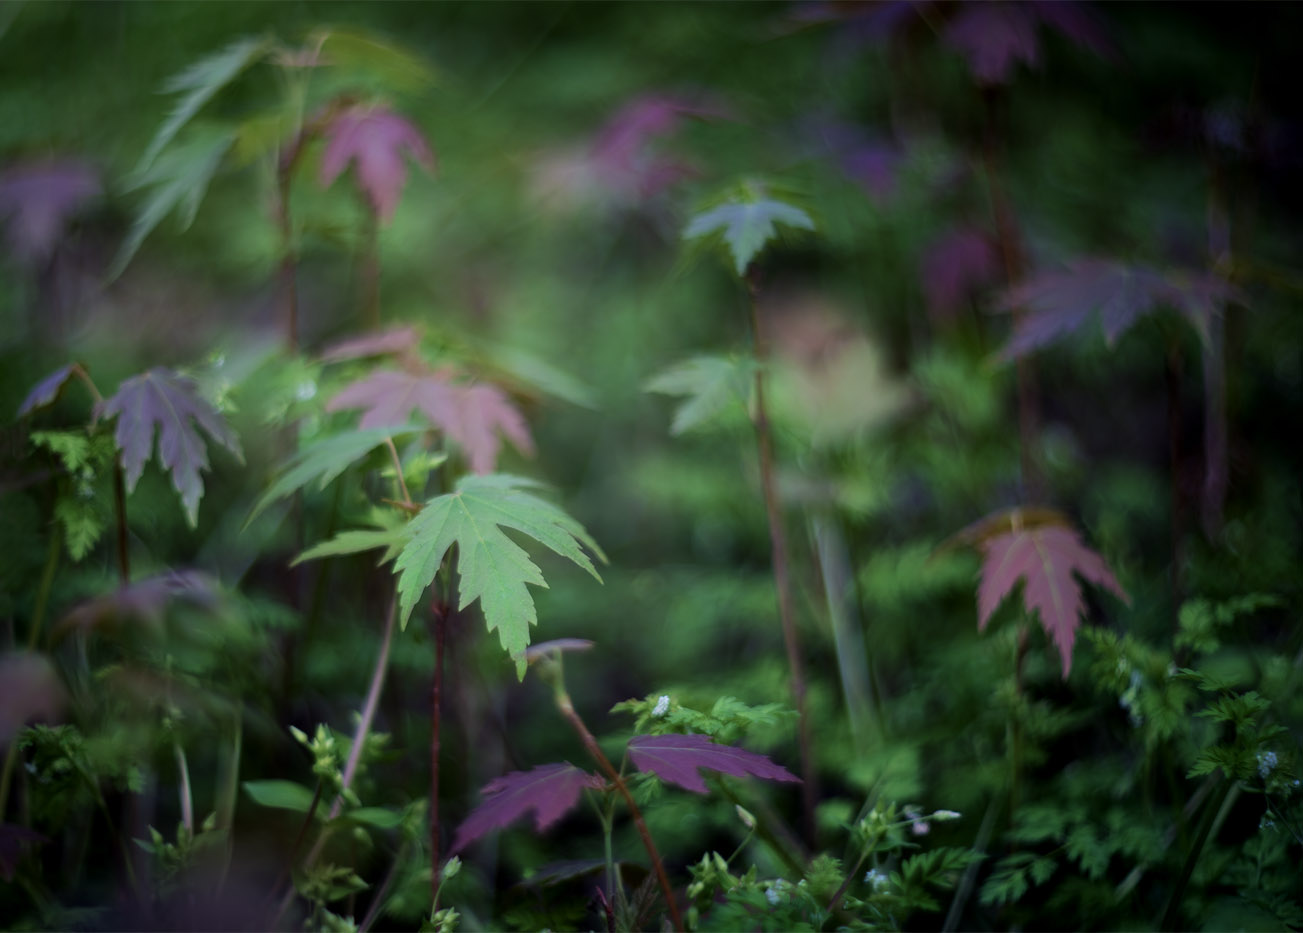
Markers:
point(491, 567)
point(711, 384)
point(746, 222)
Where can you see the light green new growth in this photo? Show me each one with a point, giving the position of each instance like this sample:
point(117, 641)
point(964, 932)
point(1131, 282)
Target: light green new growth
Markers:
point(491, 567)
point(711, 384)
point(746, 223)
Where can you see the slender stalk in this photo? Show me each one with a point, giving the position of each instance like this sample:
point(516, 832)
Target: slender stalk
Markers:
point(371, 271)
point(294, 851)
point(120, 519)
point(368, 709)
point(1010, 245)
point(187, 799)
point(1172, 914)
point(438, 621)
point(964, 889)
point(229, 796)
point(779, 560)
point(568, 711)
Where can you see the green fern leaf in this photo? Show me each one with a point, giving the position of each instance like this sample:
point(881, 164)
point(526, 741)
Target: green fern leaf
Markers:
point(491, 567)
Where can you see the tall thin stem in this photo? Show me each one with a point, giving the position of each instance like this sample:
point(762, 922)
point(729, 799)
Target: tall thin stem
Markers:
point(438, 621)
point(568, 711)
point(779, 560)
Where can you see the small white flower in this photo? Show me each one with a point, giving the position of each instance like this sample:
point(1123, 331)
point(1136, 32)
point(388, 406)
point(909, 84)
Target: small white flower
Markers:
point(662, 706)
point(876, 877)
point(944, 815)
point(305, 390)
point(772, 896)
point(1266, 764)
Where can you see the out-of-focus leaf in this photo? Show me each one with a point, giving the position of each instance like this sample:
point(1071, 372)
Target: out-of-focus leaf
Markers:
point(1055, 304)
point(955, 266)
point(164, 400)
point(355, 541)
point(200, 82)
point(1045, 557)
point(711, 384)
point(471, 416)
point(38, 199)
point(747, 223)
point(47, 390)
point(143, 601)
point(374, 140)
point(12, 840)
point(325, 460)
point(354, 51)
point(281, 795)
point(379, 817)
point(394, 341)
point(549, 790)
point(30, 691)
point(995, 36)
point(178, 181)
point(543, 376)
point(679, 758)
point(490, 566)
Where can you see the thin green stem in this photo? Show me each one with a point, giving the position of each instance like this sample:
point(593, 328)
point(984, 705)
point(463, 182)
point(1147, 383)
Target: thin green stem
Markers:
point(228, 797)
point(186, 798)
point(1172, 914)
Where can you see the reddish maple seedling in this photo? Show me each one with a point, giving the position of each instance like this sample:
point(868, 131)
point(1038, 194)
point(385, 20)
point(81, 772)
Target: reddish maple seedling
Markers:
point(679, 758)
point(549, 790)
point(374, 139)
point(472, 416)
point(1044, 557)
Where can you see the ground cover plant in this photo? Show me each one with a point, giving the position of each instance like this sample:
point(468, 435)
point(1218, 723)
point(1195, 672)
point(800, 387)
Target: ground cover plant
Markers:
point(690, 466)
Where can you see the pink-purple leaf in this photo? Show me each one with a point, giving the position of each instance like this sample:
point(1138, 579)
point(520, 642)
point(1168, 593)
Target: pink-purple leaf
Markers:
point(374, 139)
point(47, 390)
point(472, 416)
point(549, 790)
point(994, 36)
point(679, 759)
point(1055, 304)
point(1045, 558)
point(164, 401)
point(955, 266)
point(37, 201)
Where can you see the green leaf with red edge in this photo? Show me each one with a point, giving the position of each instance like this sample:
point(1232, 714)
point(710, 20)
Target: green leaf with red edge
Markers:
point(164, 402)
point(1045, 558)
point(679, 758)
point(474, 416)
point(549, 790)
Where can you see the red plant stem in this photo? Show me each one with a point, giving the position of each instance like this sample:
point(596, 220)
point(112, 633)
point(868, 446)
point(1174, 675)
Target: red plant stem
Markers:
point(590, 743)
point(782, 580)
point(1010, 245)
point(368, 709)
point(120, 516)
point(439, 619)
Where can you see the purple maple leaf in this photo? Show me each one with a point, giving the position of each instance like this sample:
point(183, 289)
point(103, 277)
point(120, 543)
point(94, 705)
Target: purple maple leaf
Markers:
point(1055, 304)
point(871, 162)
point(549, 790)
point(169, 402)
point(374, 139)
point(994, 36)
point(1045, 558)
point(47, 390)
point(679, 758)
point(623, 157)
point(955, 266)
point(38, 199)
